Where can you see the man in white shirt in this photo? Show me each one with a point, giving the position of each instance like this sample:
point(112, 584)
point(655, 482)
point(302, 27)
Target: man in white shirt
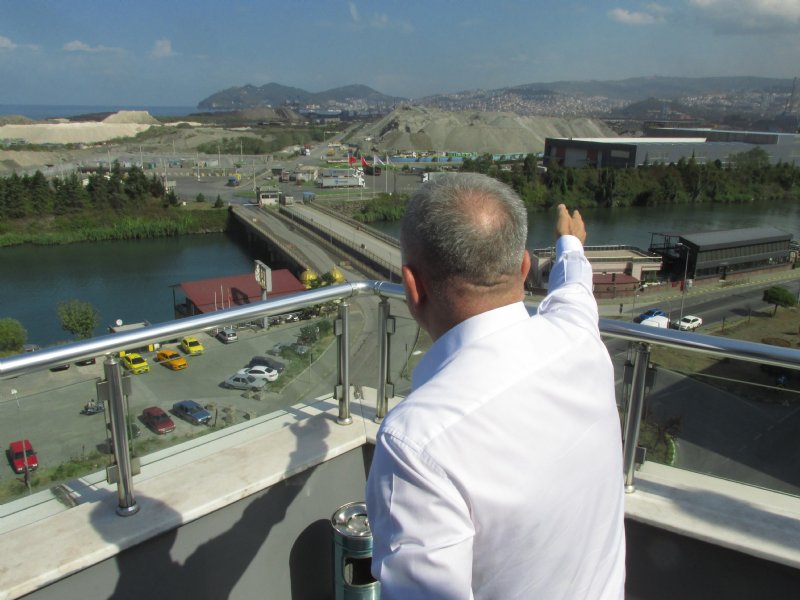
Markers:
point(500, 475)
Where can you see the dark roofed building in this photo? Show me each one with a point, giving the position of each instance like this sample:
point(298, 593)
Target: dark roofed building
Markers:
point(722, 254)
point(668, 145)
point(208, 295)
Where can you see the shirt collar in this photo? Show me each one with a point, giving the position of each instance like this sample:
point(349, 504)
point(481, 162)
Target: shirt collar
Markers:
point(447, 346)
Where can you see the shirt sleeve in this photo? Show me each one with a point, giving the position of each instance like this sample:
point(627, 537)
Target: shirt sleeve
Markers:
point(421, 527)
point(570, 285)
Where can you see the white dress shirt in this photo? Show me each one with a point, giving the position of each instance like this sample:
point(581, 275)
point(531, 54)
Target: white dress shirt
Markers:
point(500, 475)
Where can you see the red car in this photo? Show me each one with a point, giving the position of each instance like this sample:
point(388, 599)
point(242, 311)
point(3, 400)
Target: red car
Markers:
point(22, 454)
point(157, 420)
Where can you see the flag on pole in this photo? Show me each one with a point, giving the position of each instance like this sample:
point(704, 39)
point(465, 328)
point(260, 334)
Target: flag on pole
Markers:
point(351, 159)
point(364, 162)
point(377, 161)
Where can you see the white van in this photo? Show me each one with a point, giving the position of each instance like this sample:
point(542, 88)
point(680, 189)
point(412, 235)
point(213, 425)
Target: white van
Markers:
point(660, 322)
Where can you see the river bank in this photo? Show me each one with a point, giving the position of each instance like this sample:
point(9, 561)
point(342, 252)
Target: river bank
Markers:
point(96, 226)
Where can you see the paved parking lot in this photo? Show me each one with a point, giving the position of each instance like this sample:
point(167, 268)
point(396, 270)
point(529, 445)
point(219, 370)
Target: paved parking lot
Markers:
point(46, 407)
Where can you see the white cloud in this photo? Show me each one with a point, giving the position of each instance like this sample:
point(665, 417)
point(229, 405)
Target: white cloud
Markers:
point(354, 12)
point(162, 49)
point(6, 44)
point(621, 15)
point(750, 16)
point(79, 46)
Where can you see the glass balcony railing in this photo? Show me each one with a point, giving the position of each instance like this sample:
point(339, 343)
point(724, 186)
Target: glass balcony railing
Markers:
point(704, 403)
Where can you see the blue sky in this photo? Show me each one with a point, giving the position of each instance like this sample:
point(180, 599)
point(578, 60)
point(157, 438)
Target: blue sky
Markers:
point(177, 52)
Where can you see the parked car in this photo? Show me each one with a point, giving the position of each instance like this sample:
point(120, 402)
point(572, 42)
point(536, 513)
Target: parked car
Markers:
point(227, 336)
point(191, 345)
point(22, 454)
point(240, 381)
point(657, 321)
point(171, 359)
point(266, 373)
point(650, 313)
point(192, 412)
point(266, 361)
point(135, 363)
point(157, 420)
point(689, 323)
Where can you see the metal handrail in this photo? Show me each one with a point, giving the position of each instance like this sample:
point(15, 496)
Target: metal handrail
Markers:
point(706, 344)
point(116, 342)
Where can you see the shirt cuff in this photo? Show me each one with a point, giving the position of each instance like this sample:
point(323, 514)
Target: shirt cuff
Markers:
point(568, 243)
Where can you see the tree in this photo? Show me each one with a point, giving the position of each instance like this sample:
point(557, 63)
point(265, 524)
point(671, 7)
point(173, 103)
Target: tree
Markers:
point(779, 296)
point(12, 336)
point(78, 317)
point(200, 197)
point(219, 203)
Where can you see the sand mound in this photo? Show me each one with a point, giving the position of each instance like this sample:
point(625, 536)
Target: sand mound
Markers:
point(141, 117)
point(15, 120)
point(125, 123)
point(70, 133)
point(421, 129)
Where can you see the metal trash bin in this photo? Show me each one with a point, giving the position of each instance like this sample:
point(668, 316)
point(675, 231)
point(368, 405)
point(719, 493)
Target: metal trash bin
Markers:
point(352, 554)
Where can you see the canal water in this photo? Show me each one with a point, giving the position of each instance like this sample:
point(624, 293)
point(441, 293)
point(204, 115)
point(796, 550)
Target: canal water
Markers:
point(127, 280)
point(131, 280)
point(634, 225)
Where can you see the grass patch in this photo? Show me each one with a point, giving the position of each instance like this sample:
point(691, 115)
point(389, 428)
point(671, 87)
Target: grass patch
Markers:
point(150, 223)
point(742, 378)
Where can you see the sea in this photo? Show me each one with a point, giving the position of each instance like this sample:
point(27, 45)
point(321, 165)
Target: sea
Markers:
point(54, 111)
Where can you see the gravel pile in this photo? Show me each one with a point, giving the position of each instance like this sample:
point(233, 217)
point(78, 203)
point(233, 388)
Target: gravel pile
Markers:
point(421, 129)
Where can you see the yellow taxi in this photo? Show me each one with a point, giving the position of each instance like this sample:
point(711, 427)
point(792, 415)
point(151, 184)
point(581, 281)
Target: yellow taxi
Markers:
point(191, 345)
point(135, 363)
point(171, 359)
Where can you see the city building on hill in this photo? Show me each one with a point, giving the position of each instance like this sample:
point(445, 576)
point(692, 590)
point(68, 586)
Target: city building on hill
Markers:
point(666, 145)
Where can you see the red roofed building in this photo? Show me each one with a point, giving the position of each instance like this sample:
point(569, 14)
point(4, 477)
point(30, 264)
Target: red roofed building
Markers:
point(613, 285)
point(208, 295)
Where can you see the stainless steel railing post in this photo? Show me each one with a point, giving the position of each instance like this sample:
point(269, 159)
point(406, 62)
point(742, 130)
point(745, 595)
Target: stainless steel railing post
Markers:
point(634, 413)
point(385, 387)
point(342, 392)
point(119, 438)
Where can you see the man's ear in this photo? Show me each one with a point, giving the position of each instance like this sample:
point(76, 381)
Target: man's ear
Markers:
point(415, 289)
point(526, 265)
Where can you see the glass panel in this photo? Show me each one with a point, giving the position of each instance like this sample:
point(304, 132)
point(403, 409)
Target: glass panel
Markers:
point(47, 409)
point(293, 361)
point(407, 346)
point(723, 417)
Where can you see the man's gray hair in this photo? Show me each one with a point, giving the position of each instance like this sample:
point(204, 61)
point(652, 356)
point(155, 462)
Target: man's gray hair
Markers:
point(440, 231)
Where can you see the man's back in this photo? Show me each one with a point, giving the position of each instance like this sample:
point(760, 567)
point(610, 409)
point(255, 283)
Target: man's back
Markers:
point(515, 432)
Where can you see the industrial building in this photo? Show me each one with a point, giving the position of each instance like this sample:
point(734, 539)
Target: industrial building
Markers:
point(668, 145)
point(616, 270)
point(722, 255)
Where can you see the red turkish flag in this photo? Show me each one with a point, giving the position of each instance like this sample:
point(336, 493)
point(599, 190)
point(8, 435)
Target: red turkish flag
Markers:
point(351, 159)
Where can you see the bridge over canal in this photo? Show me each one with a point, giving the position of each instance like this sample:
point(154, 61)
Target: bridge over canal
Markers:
point(318, 238)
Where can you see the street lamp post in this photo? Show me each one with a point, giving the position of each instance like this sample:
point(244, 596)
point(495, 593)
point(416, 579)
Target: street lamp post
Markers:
point(685, 271)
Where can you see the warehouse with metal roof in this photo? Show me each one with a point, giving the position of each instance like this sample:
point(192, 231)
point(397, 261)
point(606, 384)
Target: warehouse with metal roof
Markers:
point(722, 255)
point(669, 145)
